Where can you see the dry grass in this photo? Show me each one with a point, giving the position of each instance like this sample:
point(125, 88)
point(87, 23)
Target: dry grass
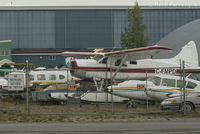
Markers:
point(12, 112)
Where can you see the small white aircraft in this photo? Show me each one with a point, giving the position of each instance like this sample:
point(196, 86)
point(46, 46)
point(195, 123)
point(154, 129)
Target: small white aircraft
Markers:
point(132, 63)
point(159, 87)
point(101, 97)
point(44, 78)
point(61, 96)
point(91, 97)
point(50, 77)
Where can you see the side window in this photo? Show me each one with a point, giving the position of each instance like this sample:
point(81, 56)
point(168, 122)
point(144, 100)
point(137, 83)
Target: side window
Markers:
point(191, 85)
point(52, 77)
point(133, 62)
point(168, 82)
point(117, 63)
point(61, 77)
point(179, 83)
point(41, 77)
point(52, 57)
point(156, 80)
point(31, 77)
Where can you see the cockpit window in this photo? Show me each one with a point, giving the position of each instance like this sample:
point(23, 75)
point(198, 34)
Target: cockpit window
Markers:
point(155, 80)
point(191, 85)
point(98, 57)
point(117, 62)
point(104, 61)
point(168, 82)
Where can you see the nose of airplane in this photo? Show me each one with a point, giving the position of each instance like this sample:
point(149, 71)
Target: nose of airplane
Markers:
point(108, 89)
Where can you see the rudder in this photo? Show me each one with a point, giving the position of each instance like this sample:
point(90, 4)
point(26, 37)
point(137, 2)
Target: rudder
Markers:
point(188, 54)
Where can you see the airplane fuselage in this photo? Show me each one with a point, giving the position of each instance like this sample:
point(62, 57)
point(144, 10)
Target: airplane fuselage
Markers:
point(157, 89)
point(140, 69)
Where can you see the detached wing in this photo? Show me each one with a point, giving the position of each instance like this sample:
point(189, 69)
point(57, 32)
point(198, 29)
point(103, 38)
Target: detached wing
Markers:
point(138, 53)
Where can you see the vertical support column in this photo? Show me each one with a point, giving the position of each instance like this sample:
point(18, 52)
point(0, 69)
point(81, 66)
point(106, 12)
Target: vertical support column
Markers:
point(27, 88)
point(67, 81)
point(184, 102)
point(106, 85)
point(111, 82)
point(146, 88)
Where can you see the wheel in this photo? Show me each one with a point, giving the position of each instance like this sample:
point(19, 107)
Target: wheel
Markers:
point(130, 104)
point(188, 106)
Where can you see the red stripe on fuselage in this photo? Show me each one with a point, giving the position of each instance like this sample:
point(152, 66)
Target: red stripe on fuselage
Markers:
point(136, 70)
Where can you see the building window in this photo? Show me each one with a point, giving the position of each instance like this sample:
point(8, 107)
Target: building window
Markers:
point(4, 53)
point(52, 57)
point(1, 53)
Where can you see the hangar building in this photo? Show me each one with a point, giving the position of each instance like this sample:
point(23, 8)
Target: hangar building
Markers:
point(41, 29)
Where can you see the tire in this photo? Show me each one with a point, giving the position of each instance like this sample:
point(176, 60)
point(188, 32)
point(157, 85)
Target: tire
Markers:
point(130, 104)
point(189, 107)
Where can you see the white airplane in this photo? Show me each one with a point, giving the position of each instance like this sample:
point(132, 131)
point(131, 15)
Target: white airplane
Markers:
point(44, 78)
point(92, 97)
point(61, 96)
point(101, 97)
point(50, 77)
point(132, 63)
point(159, 87)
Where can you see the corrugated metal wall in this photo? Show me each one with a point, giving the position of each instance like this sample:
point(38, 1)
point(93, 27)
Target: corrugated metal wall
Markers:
point(84, 28)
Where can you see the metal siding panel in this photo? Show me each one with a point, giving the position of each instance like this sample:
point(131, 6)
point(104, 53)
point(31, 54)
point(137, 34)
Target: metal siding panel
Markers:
point(40, 62)
point(120, 21)
point(28, 29)
point(84, 28)
point(60, 29)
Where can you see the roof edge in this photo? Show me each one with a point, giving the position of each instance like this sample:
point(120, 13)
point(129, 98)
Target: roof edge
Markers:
point(91, 7)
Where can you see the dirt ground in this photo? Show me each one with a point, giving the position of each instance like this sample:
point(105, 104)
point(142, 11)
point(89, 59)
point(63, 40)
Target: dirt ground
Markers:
point(12, 111)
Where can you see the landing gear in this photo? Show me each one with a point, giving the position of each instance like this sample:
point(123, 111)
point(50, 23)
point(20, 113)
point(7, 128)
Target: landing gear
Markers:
point(130, 104)
point(99, 88)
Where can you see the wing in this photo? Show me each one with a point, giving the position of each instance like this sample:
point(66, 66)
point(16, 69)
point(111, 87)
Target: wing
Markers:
point(78, 54)
point(138, 53)
point(96, 51)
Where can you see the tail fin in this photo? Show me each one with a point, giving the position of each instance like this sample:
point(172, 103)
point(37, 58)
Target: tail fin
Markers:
point(188, 54)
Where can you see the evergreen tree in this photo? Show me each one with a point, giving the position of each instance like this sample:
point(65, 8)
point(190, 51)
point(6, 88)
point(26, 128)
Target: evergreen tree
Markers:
point(133, 36)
